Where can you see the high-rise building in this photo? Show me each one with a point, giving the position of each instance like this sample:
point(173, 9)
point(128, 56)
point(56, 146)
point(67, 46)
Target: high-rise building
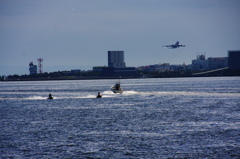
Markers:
point(116, 59)
point(234, 59)
point(32, 68)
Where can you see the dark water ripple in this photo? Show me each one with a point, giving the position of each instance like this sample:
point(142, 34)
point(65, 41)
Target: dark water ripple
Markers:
point(156, 118)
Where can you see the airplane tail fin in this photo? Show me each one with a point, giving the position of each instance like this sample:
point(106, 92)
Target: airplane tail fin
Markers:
point(177, 43)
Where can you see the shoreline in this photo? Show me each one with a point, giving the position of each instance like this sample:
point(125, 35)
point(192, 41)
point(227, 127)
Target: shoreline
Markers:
point(226, 72)
point(106, 78)
point(65, 78)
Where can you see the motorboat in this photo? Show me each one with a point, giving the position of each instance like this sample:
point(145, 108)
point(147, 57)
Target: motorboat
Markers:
point(99, 95)
point(117, 88)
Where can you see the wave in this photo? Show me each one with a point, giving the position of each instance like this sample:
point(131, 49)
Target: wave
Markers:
point(35, 98)
point(110, 94)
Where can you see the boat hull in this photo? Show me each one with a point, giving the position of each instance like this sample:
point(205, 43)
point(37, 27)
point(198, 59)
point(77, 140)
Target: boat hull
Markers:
point(117, 91)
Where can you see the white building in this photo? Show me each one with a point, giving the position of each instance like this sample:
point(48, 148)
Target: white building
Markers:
point(200, 63)
point(32, 68)
point(116, 59)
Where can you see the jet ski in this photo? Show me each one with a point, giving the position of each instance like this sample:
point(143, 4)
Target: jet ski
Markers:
point(50, 96)
point(99, 95)
point(117, 88)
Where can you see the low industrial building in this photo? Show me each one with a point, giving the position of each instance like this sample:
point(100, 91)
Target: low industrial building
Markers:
point(217, 62)
point(201, 63)
point(120, 72)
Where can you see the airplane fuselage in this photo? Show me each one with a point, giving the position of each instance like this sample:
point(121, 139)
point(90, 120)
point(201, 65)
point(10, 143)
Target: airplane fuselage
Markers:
point(174, 46)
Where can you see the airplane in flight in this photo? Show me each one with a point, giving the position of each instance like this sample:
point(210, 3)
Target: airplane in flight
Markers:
point(174, 46)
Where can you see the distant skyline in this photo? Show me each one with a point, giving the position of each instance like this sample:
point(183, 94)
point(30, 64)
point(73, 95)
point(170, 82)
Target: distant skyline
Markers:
point(77, 34)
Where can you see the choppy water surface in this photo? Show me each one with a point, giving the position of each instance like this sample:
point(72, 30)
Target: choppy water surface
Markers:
point(153, 118)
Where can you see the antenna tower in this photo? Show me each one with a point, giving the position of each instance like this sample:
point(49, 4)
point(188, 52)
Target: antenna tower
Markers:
point(40, 65)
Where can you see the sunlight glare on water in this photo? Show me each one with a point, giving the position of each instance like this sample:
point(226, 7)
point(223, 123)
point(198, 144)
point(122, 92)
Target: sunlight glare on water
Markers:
point(152, 118)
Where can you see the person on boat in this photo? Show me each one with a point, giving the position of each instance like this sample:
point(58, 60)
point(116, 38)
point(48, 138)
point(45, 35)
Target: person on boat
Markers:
point(50, 96)
point(117, 86)
point(99, 95)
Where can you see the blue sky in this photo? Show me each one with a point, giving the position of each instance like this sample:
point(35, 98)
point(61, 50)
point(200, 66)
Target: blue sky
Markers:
point(76, 34)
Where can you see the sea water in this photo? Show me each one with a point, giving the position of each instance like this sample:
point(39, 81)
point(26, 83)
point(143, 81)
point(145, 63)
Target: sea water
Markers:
point(152, 118)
